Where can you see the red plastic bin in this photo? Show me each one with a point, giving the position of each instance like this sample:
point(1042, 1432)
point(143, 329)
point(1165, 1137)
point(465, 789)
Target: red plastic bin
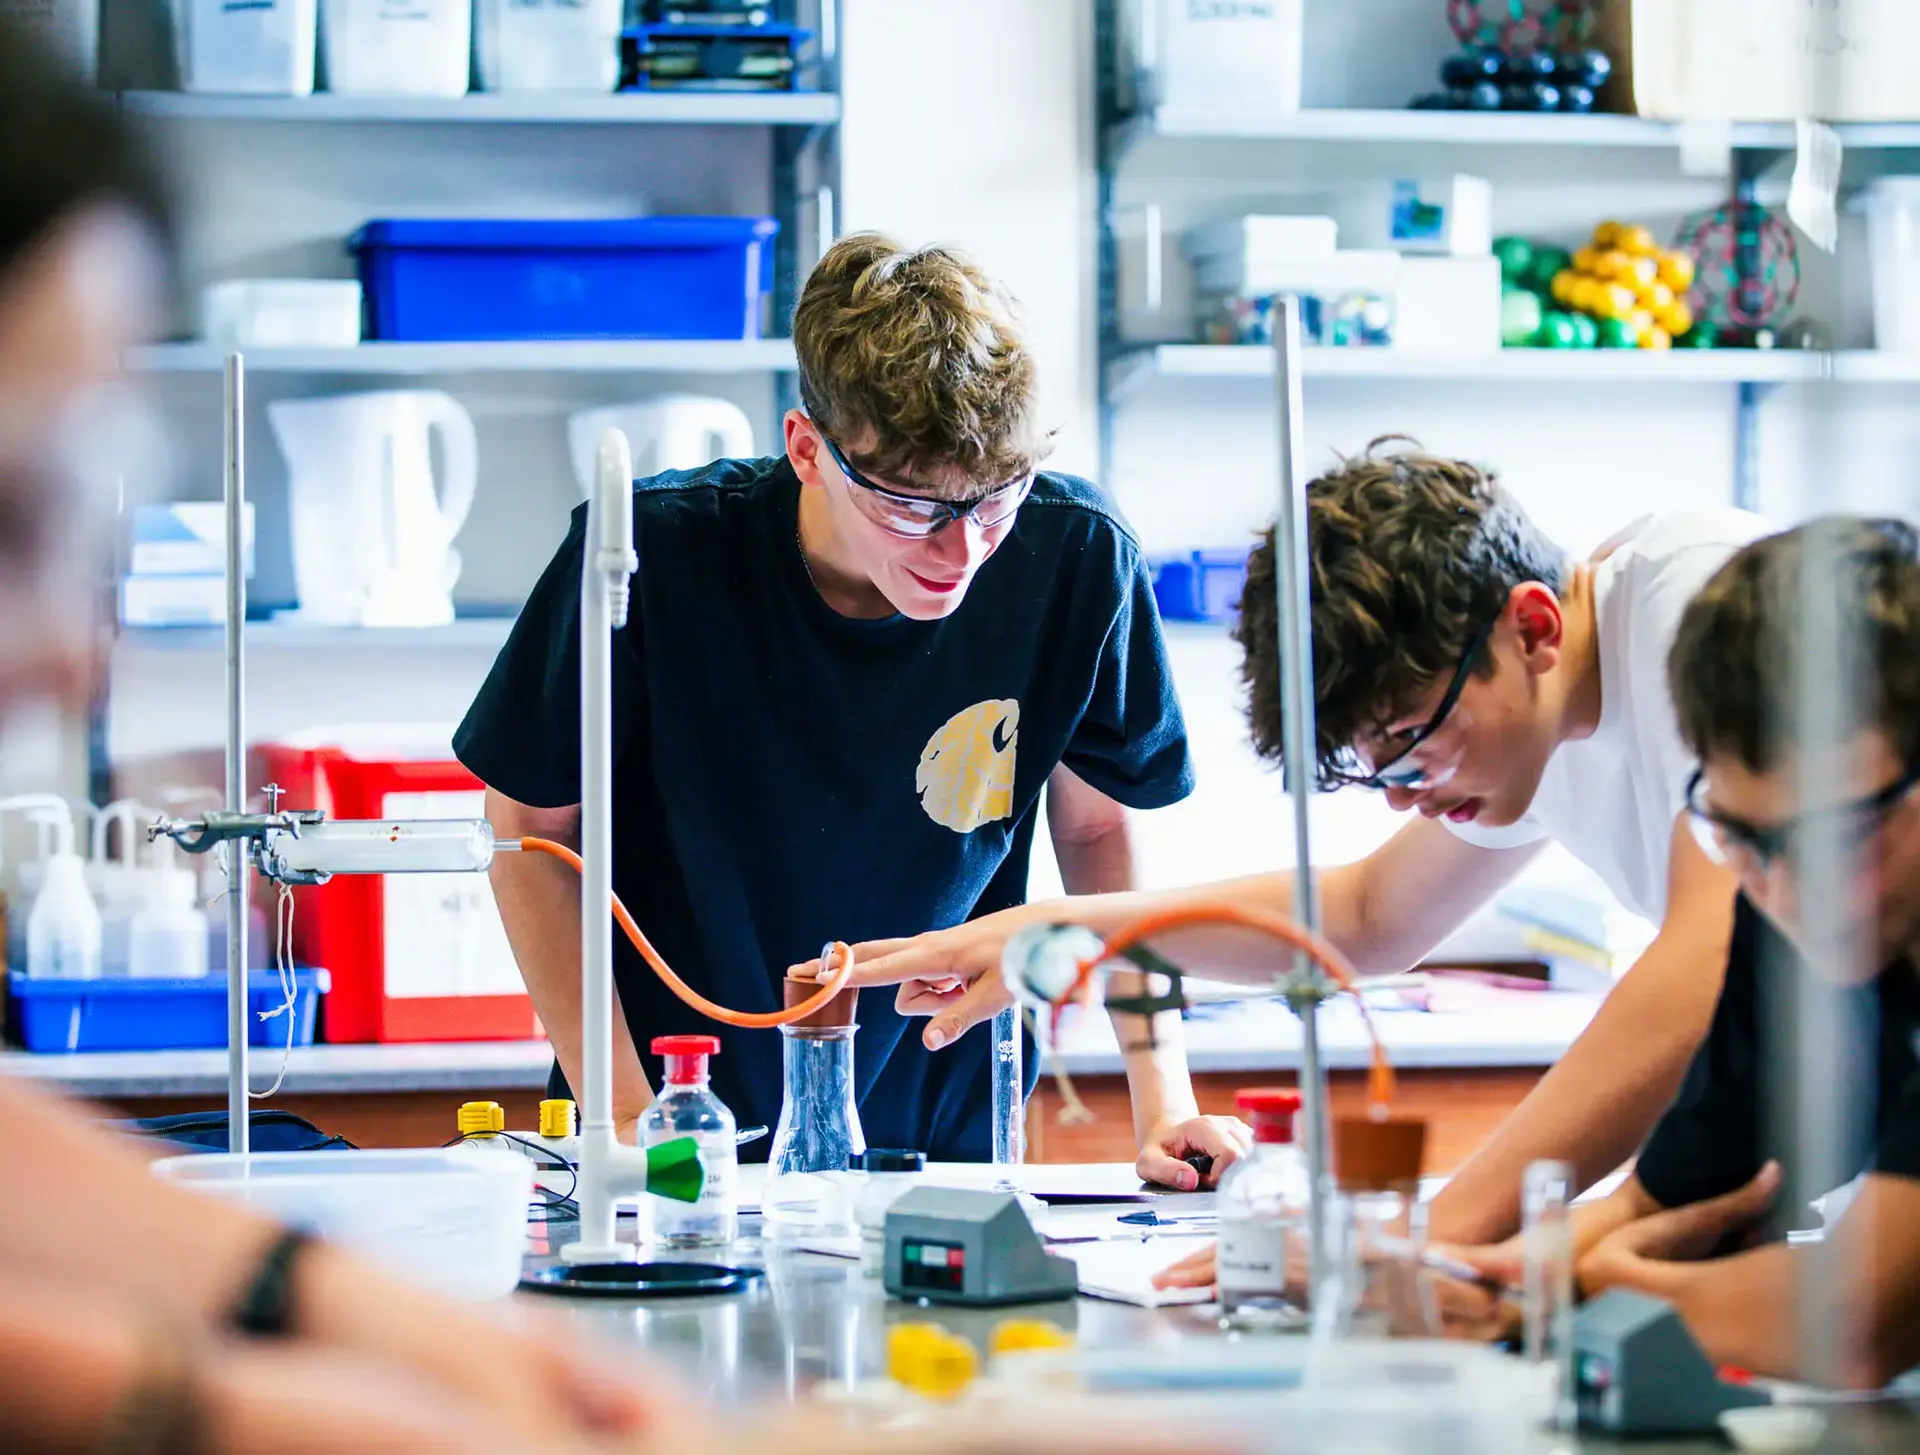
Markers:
point(415, 957)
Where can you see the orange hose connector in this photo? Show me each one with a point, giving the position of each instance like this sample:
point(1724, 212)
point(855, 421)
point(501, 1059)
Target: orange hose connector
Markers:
point(1314, 947)
point(747, 1020)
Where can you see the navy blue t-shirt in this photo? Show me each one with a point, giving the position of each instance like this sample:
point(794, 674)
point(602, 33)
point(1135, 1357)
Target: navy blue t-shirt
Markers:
point(785, 776)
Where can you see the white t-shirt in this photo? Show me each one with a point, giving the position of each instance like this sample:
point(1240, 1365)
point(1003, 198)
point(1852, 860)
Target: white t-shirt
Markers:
point(1610, 799)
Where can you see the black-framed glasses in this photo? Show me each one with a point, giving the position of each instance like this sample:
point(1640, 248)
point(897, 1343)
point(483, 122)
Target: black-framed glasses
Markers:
point(1397, 772)
point(1724, 837)
point(918, 516)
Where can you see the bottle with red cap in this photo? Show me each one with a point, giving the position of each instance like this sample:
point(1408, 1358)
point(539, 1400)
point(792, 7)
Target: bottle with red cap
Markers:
point(687, 1107)
point(1264, 1210)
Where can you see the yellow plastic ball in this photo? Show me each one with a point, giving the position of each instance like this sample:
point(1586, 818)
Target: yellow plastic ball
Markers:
point(1656, 296)
point(1615, 300)
point(1639, 273)
point(1636, 240)
point(1587, 261)
point(1562, 286)
point(1612, 264)
point(1583, 294)
point(1642, 321)
point(1677, 271)
point(1655, 338)
point(1676, 319)
point(1606, 235)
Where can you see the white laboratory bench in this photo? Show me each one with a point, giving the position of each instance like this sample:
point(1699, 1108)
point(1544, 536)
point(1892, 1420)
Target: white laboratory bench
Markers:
point(1462, 1070)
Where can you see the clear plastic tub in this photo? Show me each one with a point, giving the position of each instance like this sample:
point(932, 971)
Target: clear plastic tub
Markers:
point(547, 45)
point(452, 1223)
point(396, 47)
point(260, 49)
point(1892, 206)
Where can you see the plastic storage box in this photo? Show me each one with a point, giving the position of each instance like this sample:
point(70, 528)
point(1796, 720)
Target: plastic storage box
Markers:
point(265, 48)
point(546, 45)
point(383, 48)
point(453, 1221)
point(620, 278)
point(119, 1014)
point(1892, 206)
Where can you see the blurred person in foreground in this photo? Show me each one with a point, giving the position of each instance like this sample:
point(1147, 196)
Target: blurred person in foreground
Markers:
point(135, 1316)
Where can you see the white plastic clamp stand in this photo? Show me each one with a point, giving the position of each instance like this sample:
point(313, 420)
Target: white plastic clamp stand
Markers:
point(608, 1169)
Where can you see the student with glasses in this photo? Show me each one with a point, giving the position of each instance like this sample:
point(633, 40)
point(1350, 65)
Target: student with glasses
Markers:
point(1702, 1221)
point(1471, 671)
point(852, 673)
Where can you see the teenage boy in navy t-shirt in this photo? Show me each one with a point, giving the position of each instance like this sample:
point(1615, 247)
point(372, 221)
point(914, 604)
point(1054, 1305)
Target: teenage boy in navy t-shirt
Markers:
point(849, 674)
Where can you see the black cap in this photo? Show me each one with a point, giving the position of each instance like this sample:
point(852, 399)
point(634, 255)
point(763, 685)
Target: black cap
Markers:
point(889, 1159)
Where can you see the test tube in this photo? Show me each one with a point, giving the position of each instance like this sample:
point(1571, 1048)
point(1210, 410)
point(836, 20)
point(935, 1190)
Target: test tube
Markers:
point(1547, 1281)
point(1009, 1105)
point(385, 846)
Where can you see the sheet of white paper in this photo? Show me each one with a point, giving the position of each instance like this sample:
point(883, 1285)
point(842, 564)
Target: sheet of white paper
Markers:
point(1096, 1224)
point(1107, 1181)
point(1122, 1272)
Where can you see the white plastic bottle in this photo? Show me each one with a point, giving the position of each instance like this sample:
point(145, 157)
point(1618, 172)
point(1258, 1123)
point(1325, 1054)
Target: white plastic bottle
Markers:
point(686, 1107)
point(119, 886)
point(891, 1175)
point(1264, 1211)
point(63, 931)
point(168, 938)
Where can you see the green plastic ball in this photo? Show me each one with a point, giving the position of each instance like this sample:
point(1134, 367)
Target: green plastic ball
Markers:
point(1520, 318)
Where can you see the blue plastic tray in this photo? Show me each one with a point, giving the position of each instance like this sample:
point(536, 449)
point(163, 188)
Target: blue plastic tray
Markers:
point(614, 278)
point(155, 1015)
point(1200, 586)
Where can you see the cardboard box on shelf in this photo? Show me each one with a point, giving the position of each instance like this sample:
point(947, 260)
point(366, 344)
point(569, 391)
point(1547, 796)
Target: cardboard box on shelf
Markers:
point(1763, 60)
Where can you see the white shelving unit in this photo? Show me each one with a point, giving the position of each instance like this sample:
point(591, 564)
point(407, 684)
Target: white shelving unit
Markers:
point(613, 356)
point(1485, 128)
point(677, 108)
point(1189, 154)
point(481, 632)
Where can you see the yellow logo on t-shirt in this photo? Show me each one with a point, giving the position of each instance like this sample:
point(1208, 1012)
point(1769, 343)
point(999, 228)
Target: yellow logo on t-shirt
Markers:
point(965, 777)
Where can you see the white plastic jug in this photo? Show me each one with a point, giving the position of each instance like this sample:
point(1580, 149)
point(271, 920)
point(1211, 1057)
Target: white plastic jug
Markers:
point(667, 432)
point(372, 536)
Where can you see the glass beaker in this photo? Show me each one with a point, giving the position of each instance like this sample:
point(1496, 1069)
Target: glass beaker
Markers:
point(1376, 1284)
point(819, 1127)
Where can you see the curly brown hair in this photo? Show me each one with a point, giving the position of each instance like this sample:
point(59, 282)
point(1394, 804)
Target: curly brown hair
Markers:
point(1734, 665)
point(1411, 555)
point(920, 357)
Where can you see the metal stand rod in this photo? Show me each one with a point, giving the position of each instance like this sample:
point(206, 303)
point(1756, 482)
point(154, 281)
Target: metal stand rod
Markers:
point(1293, 575)
point(239, 868)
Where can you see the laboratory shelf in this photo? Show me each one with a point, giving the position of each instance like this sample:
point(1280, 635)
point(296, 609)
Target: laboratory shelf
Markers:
point(591, 356)
point(668, 108)
point(1481, 128)
point(1539, 366)
point(489, 632)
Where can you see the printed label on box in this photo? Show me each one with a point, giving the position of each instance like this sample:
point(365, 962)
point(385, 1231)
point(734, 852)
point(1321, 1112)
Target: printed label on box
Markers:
point(443, 931)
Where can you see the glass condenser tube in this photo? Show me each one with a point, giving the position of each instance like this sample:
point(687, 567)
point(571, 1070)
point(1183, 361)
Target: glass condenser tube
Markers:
point(1009, 1105)
point(386, 846)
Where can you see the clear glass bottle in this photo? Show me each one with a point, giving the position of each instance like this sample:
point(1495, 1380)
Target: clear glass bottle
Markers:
point(1264, 1210)
point(890, 1175)
point(686, 1107)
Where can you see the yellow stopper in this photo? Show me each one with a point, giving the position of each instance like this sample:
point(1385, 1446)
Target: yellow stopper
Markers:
point(482, 1116)
point(557, 1119)
point(1017, 1336)
point(928, 1360)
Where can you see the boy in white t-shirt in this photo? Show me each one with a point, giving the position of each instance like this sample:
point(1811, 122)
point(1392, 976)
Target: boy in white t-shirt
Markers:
point(1468, 668)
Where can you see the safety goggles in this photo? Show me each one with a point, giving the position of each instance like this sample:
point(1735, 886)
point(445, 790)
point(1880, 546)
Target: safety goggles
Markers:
point(917, 516)
point(1400, 771)
point(1738, 844)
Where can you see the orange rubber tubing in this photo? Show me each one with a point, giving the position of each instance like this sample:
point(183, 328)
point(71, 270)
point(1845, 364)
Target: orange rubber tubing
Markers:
point(747, 1020)
point(1275, 926)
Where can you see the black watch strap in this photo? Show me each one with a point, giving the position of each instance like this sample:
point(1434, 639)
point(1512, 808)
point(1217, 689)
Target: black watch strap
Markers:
point(265, 1309)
